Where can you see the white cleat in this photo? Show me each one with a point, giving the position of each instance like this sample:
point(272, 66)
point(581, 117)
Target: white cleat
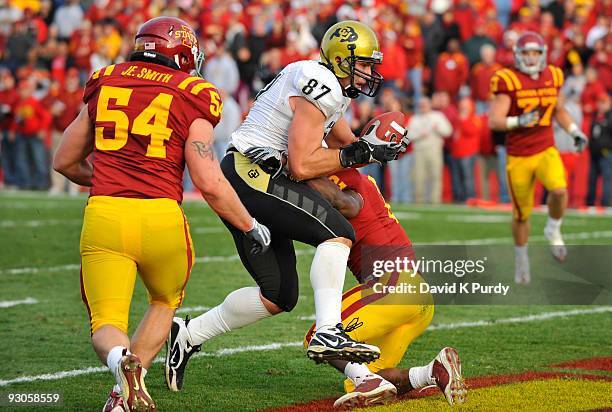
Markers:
point(557, 245)
point(522, 274)
point(374, 390)
point(446, 372)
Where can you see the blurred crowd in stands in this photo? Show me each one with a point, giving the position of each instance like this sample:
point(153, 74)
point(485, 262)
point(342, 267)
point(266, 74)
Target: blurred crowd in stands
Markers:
point(439, 56)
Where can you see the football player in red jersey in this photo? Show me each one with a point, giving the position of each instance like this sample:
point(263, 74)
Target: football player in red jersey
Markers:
point(142, 121)
point(372, 314)
point(526, 99)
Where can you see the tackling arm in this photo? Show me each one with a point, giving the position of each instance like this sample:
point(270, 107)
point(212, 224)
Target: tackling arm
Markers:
point(77, 143)
point(208, 177)
point(348, 202)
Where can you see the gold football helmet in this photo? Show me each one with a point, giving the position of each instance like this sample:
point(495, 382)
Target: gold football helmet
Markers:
point(344, 44)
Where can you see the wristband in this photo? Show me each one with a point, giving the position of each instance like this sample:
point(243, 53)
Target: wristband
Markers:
point(573, 128)
point(512, 122)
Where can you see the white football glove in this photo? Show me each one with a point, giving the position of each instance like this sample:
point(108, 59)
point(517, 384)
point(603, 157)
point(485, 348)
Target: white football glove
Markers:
point(268, 158)
point(260, 237)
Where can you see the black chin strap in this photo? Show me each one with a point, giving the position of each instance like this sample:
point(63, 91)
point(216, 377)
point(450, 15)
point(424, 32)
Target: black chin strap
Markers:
point(153, 57)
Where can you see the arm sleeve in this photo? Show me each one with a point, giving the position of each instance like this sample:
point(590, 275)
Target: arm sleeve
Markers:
point(204, 102)
point(499, 83)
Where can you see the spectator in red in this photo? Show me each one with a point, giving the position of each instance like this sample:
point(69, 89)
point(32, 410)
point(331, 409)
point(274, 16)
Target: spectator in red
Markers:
point(487, 161)
point(465, 146)
point(451, 70)
point(505, 55)
point(441, 101)
point(601, 61)
point(30, 125)
point(465, 16)
point(393, 67)
point(481, 78)
point(8, 99)
point(525, 22)
point(82, 46)
point(65, 107)
point(547, 28)
point(593, 88)
point(556, 53)
point(412, 41)
point(492, 26)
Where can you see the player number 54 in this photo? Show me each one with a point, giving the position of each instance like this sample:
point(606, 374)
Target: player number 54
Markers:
point(152, 121)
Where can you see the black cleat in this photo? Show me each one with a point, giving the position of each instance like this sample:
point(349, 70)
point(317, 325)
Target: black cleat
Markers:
point(178, 352)
point(332, 343)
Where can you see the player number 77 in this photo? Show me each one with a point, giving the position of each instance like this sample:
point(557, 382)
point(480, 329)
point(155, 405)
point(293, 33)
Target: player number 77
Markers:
point(529, 104)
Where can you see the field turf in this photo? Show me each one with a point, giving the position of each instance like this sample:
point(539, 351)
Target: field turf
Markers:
point(45, 329)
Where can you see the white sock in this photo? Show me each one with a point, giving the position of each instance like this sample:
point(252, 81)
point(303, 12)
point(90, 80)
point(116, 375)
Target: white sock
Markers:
point(356, 372)
point(240, 308)
point(327, 277)
point(117, 389)
point(554, 225)
point(520, 252)
point(420, 376)
point(113, 359)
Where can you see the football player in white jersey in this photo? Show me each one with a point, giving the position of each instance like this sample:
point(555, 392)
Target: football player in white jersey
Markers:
point(279, 145)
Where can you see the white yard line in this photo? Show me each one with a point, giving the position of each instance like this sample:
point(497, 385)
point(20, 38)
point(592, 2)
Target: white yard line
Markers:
point(604, 234)
point(11, 303)
point(522, 319)
point(278, 345)
point(38, 223)
point(191, 309)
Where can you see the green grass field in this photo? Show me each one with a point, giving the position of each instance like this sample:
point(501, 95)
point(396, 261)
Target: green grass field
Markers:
point(263, 366)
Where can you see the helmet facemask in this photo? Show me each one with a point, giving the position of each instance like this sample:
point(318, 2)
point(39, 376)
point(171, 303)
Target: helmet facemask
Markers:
point(198, 61)
point(530, 64)
point(373, 80)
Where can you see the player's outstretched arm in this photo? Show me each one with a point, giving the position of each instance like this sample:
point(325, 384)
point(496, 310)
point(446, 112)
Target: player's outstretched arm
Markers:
point(208, 177)
point(307, 158)
point(348, 202)
point(70, 158)
point(565, 120)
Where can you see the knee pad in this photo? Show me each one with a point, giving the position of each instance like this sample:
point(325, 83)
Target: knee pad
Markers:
point(284, 299)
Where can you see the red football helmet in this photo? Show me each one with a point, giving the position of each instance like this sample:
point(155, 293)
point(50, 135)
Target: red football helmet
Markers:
point(530, 63)
point(173, 39)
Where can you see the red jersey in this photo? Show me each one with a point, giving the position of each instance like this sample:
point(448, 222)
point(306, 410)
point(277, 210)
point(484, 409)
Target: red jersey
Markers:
point(378, 234)
point(141, 113)
point(529, 94)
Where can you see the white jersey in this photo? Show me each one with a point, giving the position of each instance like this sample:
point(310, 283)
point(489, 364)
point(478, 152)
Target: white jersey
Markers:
point(268, 122)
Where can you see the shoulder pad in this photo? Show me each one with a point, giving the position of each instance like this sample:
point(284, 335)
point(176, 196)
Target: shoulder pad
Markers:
point(319, 86)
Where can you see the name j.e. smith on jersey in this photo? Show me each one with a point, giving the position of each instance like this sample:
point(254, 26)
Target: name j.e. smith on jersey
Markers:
point(465, 288)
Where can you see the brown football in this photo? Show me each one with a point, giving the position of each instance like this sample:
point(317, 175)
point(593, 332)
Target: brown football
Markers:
point(387, 126)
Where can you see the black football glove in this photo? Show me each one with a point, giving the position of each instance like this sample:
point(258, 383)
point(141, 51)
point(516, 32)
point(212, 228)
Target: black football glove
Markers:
point(580, 140)
point(268, 158)
point(260, 237)
point(370, 149)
